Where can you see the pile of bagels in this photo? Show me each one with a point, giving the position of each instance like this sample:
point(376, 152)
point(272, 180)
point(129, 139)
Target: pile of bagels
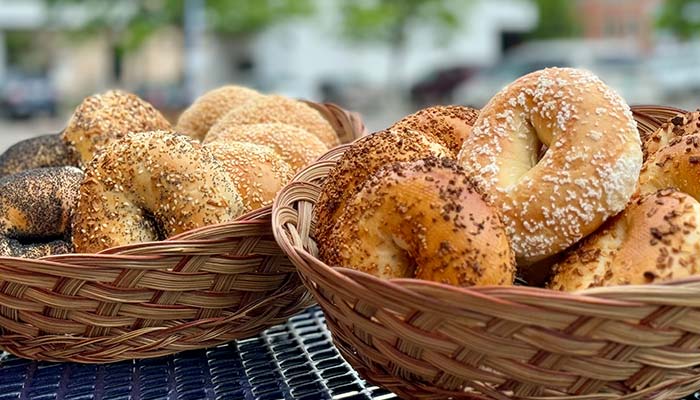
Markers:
point(120, 173)
point(550, 181)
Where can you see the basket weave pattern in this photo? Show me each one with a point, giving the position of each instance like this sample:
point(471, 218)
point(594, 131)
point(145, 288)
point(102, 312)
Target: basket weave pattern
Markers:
point(199, 289)
point(426, 340)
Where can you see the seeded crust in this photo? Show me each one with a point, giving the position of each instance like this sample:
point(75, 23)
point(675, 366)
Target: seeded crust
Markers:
point(38, 152)
point(677, 165)
point(588, 173)
point(656, 239)
point(196, 120)
point(424, 220)
point(108, 116)
point(274, 108)
point(678, 126)
point(450, 124)
point(365, 157)
point(295, 145)
point(36, 207)
point(149, 186)
point(256, 171)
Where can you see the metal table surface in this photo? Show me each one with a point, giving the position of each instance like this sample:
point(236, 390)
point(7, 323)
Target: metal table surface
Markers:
point(294, 361)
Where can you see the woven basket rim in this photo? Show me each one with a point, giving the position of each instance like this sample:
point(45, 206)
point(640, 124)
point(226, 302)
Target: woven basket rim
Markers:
point(597, 294)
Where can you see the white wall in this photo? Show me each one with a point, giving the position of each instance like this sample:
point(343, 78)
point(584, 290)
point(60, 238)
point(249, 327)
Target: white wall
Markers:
point(294, 56)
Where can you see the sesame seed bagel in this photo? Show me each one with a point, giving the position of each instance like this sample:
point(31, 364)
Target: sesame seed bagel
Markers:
point(35, 211)
point(678, 126)
point(196, 120)
point(256, 171)
point(450, 124)
point(104, 117)
point(677, 165)
point(588, 173)
point(365, 157)
point(295, 145)
point(38, 152)
point(657, 238)
point(274, 108)
point(148, 186)
point(423, 219)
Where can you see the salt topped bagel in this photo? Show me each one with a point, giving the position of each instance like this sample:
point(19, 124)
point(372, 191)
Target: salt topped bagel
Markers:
point(425, 220)
point(588, 173)
point(149, 186)
point(657, 238)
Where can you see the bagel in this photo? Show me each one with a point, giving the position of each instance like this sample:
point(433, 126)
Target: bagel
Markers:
point(295, 145)
point(656, 239)
point(38, 152)
point(678, 126)
point(450, 124)
point(256, 171)
point(677, 166)
point(35, 211)
point(148, 186)
point(364, 158)
point(196, 119)
point(104, 117)
point(275, 108)
point(587, 174)
point(424, 220)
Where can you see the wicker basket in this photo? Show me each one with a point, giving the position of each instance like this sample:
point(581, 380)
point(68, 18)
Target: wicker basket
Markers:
point(427, 340)
point(198, 289)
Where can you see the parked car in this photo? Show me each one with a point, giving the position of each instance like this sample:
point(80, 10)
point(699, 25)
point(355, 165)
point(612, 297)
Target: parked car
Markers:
point(616, 62)
point(438, 86)
point(24, 95)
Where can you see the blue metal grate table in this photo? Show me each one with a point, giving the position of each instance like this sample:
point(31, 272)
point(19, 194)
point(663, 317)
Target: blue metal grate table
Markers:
point(294, 361)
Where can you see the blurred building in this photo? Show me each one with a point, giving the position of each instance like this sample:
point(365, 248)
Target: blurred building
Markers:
point(619, 19)
point(296, 56)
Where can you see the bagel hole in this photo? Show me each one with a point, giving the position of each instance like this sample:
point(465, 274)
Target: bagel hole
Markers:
point(151, 222)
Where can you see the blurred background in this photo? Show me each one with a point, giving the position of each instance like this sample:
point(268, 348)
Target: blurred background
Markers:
point(383, 58)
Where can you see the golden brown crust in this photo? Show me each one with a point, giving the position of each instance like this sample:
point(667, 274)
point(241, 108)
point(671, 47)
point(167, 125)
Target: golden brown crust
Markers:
point(38, 152)
point(365, 157)
point(588, 173)
point(274, 108)
point(196, 120)
point(256, 171)
point(422, 219)
point(656, 239)
point(678, 126)
point(450, 124)
point(677, 166)
point(108, 116)
point(148, 186)
point(295, 145)
point(36, 207)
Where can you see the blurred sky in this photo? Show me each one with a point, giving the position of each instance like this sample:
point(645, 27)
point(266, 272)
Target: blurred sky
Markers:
point(383, 58)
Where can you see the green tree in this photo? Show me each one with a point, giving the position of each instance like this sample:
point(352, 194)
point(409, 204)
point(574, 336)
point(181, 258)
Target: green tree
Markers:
point(129, 23)
point(556, 19)
point(680, 17)
point(389, 21)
